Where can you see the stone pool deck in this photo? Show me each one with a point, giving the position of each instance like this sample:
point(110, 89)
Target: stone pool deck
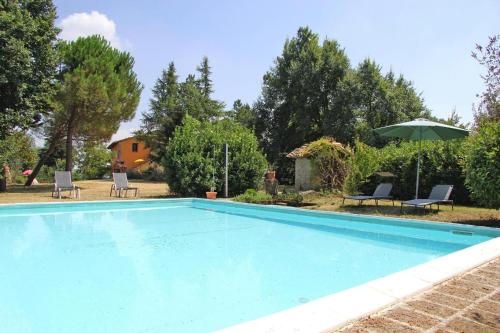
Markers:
point(469, 302)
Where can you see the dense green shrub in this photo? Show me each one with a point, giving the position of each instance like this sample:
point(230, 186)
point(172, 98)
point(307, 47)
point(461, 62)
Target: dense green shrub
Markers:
point(440, 163)
point(290, 198)
point(194, 161)
point(482, 165)
point(363, 163)
point(93, 162)
point(46, 173)
point(134, 174)
point(155, 172)
point(253, 196)
point(18, 152)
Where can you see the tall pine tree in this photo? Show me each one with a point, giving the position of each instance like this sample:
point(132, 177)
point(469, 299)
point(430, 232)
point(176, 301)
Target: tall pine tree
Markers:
point(171, 101)
point(211, 108)
point(205, 81)
point(164, 114)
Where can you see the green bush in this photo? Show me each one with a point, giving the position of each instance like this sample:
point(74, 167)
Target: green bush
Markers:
point(363, 163)
point(252, 196)
point(290, 198)
point(440, 163)
point(46, 173)
point(18, 152)
point(154, 172)
point(93, 162)
point(194, 160)
point(135, 174)
point(482, 165)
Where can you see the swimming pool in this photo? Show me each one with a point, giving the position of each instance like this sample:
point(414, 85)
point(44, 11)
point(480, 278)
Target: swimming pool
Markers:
point(192, 265)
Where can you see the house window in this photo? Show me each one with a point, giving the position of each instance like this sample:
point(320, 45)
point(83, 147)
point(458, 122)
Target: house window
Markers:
point(135, 147)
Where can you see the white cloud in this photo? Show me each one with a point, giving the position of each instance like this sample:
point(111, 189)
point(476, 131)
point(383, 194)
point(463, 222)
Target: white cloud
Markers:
point(93, 23)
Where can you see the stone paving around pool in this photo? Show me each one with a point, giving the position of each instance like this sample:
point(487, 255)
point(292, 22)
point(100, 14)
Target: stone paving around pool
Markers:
point(467, 303)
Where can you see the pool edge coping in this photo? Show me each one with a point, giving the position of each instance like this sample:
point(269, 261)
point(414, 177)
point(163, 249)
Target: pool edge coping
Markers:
point(272, 207)
point(339, 309)
point(354, 215)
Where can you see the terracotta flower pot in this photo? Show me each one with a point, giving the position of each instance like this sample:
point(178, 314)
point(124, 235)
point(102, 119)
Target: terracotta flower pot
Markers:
point(211, 195)
point(271, 175)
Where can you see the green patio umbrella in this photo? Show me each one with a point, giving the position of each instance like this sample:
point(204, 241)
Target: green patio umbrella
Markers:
point(422, 129)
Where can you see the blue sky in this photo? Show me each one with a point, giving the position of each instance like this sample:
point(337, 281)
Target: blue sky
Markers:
point(427, 41)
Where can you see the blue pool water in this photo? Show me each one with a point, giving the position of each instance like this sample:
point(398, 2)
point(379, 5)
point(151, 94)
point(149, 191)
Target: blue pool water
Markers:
point(192, 265)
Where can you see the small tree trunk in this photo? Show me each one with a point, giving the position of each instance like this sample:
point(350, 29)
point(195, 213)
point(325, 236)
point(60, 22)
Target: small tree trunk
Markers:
point(69, 150)
point(69, 143)
point(5, 178)
point(42, 160)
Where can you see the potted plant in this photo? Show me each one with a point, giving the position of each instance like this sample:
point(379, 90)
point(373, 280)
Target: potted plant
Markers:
point(270, 173)
point(211, 194)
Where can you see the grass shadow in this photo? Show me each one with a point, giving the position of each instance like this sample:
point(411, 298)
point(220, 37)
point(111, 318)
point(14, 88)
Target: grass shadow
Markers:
point(41, 188)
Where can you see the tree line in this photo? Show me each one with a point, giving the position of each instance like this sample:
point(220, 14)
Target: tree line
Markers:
point(77, 93)
point(310, 92)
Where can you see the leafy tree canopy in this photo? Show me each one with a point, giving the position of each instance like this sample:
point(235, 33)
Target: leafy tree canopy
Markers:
point(311, 91)
point(482, 164)
point(27, 62)
point(243, 114)
point(17, 151)
point(489, 57)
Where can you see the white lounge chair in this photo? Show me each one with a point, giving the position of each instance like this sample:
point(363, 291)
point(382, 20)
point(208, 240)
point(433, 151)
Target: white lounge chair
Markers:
point(120, 183)
point(381, 193)
point(440, 194)
point(62, 182)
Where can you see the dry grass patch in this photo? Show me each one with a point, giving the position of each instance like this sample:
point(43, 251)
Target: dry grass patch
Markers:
point(90, 190)
point(460, 214)
point(99, 190)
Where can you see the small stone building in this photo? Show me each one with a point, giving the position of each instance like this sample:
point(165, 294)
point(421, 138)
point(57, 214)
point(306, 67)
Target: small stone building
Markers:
point(306, 173)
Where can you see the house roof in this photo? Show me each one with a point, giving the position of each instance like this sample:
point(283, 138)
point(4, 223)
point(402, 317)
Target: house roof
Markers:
point(302, 151)
point(114, 143)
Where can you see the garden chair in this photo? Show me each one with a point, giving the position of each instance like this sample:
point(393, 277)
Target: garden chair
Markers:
point(62, 182)
point(381, 193)
point(440, 194)
point(120, 183)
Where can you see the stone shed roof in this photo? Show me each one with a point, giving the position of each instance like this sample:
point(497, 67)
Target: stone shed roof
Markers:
point(302, 151)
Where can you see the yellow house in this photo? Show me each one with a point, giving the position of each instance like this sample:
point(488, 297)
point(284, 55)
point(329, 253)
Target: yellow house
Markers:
point(129, 154)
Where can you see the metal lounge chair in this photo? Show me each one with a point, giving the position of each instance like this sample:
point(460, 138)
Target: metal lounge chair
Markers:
point(120, 183)
point(62, 182)
point(440, 194)
point(381, 193)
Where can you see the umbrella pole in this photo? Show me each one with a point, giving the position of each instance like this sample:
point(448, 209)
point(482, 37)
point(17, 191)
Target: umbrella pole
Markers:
point(418, 160)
